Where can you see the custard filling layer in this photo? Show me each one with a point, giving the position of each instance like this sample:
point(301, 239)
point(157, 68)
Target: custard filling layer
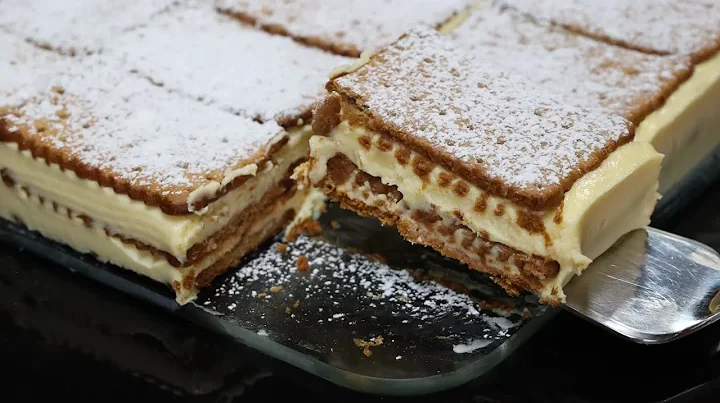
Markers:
point(66, 226)
point(603, 205)
point(121, 215)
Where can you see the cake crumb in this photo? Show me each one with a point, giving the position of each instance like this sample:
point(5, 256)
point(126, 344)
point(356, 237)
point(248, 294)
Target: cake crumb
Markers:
point(276, 289)
point(281, 248)
point(311, 227)
point(302, 264)
point(334, 224)
point(287, 309)
point(296, 304)
point(307, 227)
point(365, 345)
point(262, 295)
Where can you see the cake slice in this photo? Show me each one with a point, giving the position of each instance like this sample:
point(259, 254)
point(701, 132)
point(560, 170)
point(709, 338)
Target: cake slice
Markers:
point(471, 160)
point(586, 72)
point(685, 128)
point(112, 165)
point(661, 27)
point(346, 27)
point(224, 63)
point(76, 26)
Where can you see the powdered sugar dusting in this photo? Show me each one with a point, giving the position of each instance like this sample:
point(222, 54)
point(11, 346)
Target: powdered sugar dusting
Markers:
point(136, 132)
point(662, 26)
point(76, 25)
point(334, 271)
point(353, 24)
point(240, 69)
point(587, 72)
point(492, 121)
point(25, 68)
point(345, 295)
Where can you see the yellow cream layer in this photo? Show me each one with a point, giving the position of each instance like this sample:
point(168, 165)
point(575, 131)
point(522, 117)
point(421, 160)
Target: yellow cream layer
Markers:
point(134, 219)
point(687, 127)
point(40, 216)
point(603, 205)
point(491, 259)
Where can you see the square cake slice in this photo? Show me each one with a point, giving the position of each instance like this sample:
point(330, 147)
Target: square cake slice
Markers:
point(690, 27)
point(685, 126)
point(471, 160)
point(224, 63)
point(76, 26)
point(112, 165)
point(588, 73)
point(346, 27)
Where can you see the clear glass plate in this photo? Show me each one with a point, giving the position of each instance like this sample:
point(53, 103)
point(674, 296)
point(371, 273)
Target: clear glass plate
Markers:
point(388, 320)
point(432, 337)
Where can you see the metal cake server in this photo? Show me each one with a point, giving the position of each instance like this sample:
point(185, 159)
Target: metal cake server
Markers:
point(651, 287)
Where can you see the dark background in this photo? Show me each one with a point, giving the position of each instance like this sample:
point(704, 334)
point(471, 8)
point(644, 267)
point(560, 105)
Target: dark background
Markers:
point(63, 336)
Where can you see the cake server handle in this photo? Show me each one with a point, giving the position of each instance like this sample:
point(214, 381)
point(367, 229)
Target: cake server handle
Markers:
point(651, 287)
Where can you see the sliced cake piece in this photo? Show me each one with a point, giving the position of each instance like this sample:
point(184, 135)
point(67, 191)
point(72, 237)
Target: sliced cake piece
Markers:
point(76, 26)
point(471, 160)
point(175, 190)
point(347, 27)
point(224, 63)
point(586, 72)
point(686, 127)
point(662, 27)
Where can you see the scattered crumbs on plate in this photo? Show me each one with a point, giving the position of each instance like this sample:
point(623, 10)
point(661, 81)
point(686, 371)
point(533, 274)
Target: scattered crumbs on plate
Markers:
point(366, 345)
point(343, 290)
point(399, 357)
point(302, 264)
point(335, 271)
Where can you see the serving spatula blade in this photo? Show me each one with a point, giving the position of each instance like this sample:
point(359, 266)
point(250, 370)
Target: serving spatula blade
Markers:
point(651, 287)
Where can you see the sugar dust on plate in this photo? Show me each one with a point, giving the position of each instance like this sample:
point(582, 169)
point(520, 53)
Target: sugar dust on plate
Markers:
point(471, 346)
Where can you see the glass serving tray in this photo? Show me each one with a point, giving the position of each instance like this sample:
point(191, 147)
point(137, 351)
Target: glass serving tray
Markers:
point(396, 319)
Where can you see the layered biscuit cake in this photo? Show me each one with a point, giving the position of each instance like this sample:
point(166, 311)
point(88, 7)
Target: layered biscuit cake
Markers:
point(686, 127)
point(583, 71)
point(175, 170)
point(347, 27)
point(227, 64)
point(112, 165)
point(473, 160)
point(77, 27)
